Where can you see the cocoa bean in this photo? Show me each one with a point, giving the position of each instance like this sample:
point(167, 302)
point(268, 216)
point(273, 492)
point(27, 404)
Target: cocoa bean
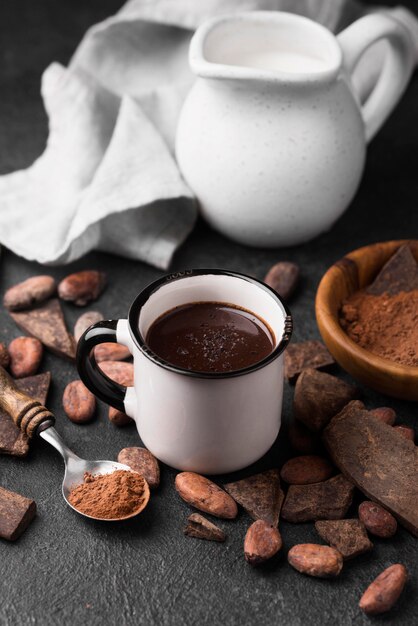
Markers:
point(85, 321)
point(319, 396)
point(82, 287)
point(315, 560)
point(262, 542)
point(384, 591)
point(25, 356)
point(377, 520)
point(111, 352)
point(120, 372)
point(118, 418)
point(283, 278)
point(385, 414)
point(405, 431)
point(4, 356)
point(303, 470)
point(142, 461)
point(28, 293)
point(302, 439)
point(78, 402)
point(201, 528)
point(204, 495)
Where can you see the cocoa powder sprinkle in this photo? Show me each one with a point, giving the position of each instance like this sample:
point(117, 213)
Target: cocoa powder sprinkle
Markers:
point(109, 496)
point(386, 325)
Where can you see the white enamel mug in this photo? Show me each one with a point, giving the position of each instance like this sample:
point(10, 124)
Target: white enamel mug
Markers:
point(210, 423)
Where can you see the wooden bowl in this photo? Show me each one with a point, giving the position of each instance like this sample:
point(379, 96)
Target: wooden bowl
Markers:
point(353, 272)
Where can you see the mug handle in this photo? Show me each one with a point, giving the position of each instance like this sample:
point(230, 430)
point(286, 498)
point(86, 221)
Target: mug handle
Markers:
point(90, 373)
point(398, 63)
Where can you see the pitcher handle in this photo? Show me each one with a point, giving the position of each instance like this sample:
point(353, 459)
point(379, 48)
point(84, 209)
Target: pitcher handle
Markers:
point(397, 66)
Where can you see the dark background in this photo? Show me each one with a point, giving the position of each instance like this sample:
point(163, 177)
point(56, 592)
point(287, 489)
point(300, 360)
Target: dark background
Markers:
point(65, 570)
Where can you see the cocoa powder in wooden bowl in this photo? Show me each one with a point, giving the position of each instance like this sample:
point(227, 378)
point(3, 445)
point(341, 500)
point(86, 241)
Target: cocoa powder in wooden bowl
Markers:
point(358, 271)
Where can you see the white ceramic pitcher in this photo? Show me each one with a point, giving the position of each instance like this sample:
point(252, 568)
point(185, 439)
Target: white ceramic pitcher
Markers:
point(272, 137)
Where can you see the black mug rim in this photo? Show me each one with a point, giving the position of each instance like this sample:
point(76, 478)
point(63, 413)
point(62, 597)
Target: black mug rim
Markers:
point(145, 294)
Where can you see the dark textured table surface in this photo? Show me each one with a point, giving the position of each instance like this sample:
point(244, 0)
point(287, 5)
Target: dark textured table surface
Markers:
point(65, 570)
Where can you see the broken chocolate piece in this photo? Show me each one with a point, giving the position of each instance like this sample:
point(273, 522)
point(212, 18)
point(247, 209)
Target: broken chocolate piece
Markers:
point(348, 536)
point(400, 273)
point(16, 513)
point(330, 499)
point(47, 324)
point(260, 495)
point(12, 440)
point(319, 396)
point(201, 528)
point(383, 465)
point(305, 355)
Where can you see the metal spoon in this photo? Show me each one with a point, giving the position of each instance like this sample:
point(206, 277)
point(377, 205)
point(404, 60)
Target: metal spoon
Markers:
point(34, 419)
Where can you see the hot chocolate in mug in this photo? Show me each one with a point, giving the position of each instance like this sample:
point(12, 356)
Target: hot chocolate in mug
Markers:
point(207, 422)
point(272, 136)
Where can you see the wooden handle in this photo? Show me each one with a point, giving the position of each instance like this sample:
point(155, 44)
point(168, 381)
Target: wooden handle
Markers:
point(28, 414)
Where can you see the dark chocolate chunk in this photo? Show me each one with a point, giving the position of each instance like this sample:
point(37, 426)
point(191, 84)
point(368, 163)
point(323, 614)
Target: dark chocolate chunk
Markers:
point(330, 499)
point(260, 495)
point(12, 440)
point(201, 528)
point(383, 465)
point(305, 355)
point(400, 273)
point(16, 513)
point(348, 536)
point(47, 324)
point(319, 396)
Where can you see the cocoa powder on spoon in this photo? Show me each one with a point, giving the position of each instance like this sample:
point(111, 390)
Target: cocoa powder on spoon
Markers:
point(109, 496)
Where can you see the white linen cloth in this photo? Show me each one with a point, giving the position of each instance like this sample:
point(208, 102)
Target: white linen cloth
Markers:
point(108, 179)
